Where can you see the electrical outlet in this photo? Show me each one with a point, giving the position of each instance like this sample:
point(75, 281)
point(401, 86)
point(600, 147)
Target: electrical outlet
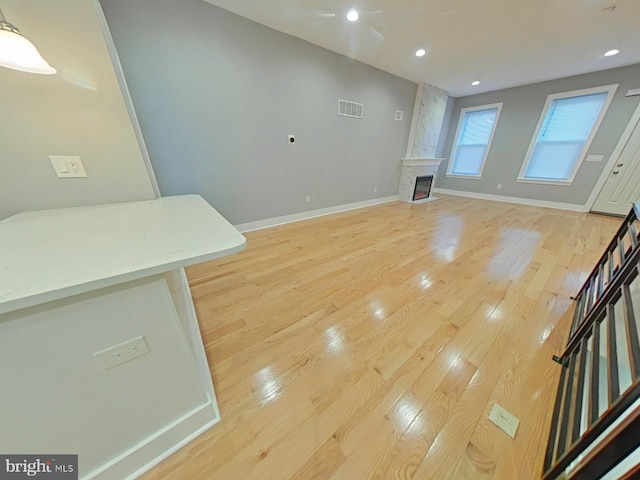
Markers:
point(121, 353)
point(375, 189)
point(68, 166)
point(499, 187)
point(307, 199)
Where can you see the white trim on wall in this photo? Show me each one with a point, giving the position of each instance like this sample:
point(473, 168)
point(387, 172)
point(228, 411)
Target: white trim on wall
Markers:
point(517, 200)
point(454, 150)
point(126, 95)
point(613, 159)
point(296, 217)
point(158, 446)
point(610, 90)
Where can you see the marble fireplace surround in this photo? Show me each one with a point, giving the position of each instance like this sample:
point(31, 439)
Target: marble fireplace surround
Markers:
point(426, 129)
point(413, 168)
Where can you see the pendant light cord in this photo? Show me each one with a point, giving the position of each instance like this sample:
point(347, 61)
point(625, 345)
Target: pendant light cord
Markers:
point(4, 25)
point(21, 54)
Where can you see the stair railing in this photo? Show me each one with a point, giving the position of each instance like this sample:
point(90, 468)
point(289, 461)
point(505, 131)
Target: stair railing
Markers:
point(591, 363)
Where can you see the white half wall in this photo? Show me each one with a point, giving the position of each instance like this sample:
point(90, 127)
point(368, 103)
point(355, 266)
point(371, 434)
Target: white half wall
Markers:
point(119, 421)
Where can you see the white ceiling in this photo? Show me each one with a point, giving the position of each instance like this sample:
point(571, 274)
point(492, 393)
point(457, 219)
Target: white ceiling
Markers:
point(501, 43)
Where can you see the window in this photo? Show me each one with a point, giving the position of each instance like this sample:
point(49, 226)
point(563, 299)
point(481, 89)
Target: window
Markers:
point(473, 139)
point(567, 125)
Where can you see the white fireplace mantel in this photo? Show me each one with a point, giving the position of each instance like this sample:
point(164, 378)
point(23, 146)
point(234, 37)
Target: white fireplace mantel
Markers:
point(422, 162)
point(411, 169)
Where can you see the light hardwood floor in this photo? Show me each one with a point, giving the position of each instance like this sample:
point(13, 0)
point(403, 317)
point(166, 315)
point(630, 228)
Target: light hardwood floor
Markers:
point(374, 343)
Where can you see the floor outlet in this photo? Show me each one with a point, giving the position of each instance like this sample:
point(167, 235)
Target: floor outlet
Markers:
point(504, 420)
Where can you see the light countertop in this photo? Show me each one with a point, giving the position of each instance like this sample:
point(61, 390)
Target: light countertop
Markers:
point(51, 254)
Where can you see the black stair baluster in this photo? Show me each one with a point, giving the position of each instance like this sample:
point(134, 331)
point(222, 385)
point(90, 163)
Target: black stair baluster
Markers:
point(589, 304)
point(601, 280)
point(621, 252)
point(633, 231)
point(612, 357)
point(632, 332)
point(610, 261)
point(577, 415)
point(553, 434)
point(566, 408)
point(595, 375)
point(578, 315)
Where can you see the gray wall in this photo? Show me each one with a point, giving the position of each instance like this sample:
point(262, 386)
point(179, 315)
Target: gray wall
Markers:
point(518, 120)
point(79, 111)
point(217, 95)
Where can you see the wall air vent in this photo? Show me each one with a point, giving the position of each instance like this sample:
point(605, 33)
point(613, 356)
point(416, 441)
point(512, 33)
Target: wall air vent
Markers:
point(350, 109)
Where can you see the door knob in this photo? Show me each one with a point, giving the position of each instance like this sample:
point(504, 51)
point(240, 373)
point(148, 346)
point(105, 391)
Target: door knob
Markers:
point(615, 172)
point(620, 165)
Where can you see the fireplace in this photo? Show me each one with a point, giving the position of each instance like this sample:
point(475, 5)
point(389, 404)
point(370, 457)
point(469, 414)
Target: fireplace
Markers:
point(421, 169)
point(422, 189)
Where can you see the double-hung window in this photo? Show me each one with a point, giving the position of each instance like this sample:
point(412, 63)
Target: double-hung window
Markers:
point(565, 130)
point(473, 140)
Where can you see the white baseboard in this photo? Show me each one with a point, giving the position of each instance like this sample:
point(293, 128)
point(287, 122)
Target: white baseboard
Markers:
point(296, 217)
point(519, 200)
point(151, 451)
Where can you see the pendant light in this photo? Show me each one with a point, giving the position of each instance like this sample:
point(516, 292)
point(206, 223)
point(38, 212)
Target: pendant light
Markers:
point(18, 53)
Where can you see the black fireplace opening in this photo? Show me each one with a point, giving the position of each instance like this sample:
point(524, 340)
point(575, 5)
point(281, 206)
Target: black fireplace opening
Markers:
point(423, 187)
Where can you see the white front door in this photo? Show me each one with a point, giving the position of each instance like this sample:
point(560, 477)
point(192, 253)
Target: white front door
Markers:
point(622, 188)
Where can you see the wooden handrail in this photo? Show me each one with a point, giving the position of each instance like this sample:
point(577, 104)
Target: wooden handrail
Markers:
point(595, 281)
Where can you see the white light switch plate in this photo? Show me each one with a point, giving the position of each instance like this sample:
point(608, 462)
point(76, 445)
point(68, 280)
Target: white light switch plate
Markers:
point(503, 419)
point(68, 166)
point(121, 353)
point(595, 158)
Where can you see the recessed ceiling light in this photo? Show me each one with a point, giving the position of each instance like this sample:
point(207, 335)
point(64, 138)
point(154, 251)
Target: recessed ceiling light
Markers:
point(476, 83)
point(353, 15)
point(421, 52)
point(611, 53)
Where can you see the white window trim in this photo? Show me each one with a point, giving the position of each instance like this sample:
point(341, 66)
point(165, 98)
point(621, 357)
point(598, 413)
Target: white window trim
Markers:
point(456, 138)
point(610, 90)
